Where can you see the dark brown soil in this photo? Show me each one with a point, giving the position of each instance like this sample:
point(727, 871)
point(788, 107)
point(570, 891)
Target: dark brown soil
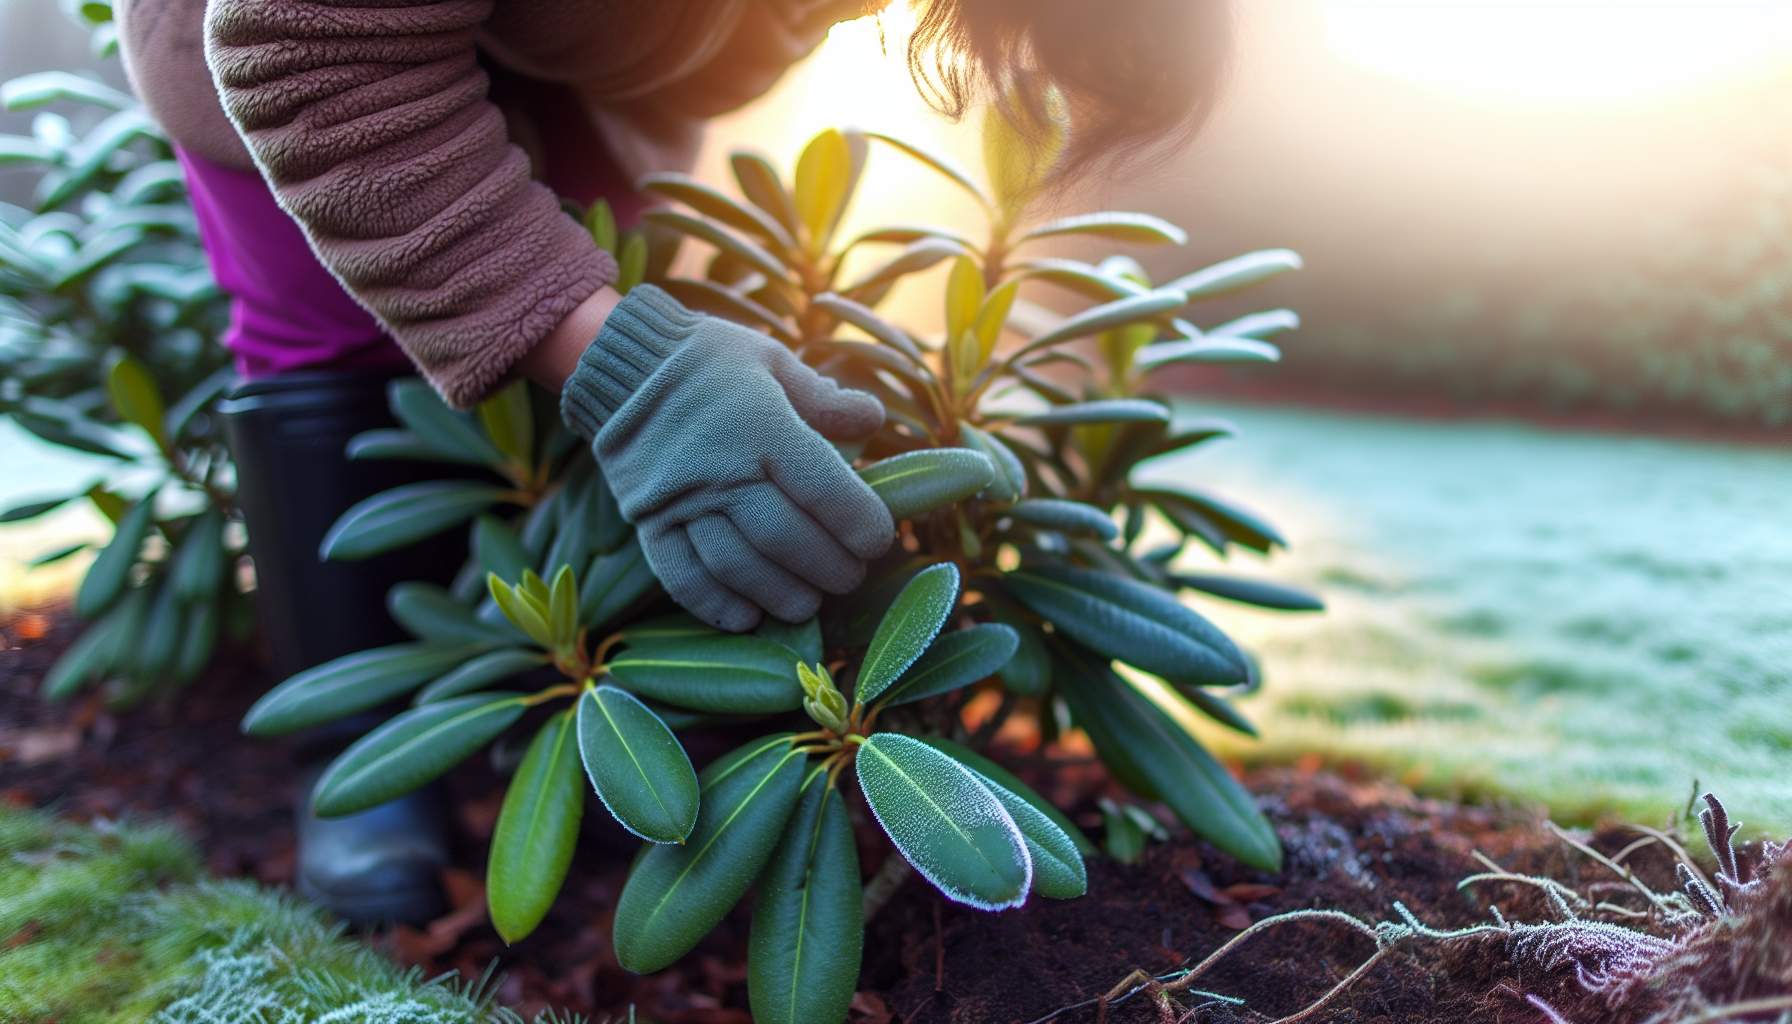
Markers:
point(1353, 844)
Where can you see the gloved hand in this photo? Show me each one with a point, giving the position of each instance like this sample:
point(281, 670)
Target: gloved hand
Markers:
point(714, 439)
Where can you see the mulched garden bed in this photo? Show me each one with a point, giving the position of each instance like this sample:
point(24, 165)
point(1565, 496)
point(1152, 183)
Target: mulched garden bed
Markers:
point(1353, 844)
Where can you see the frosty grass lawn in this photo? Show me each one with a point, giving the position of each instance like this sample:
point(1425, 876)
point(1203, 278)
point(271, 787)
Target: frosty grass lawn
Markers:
point(1588, 620)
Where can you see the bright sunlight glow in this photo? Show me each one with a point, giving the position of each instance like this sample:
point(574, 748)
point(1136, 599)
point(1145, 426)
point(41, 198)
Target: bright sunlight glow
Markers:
point(1544, 50)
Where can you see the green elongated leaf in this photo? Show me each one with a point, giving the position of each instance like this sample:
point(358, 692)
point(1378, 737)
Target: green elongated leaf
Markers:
point(903, 234)
point(677, 892)
point(95, 649)
point(405, 514)
point(510, 423)
point(406, 445)
point(32, 509)
point(199, 561)
point(410, 750)
point(135, 397)
point(759, 182)
point(107, 576)
point(1067, 516)
point(1206, 349)
point(45, 87)
point(1074, 275)
point(600, 221)
point(867, 320)
point(1151, 751)
point(1117, 313)
point(199, 638)
point(708, 201)
point(60, 424)
point(515, 603)
point(917, 482)
point(499, 550)
point(1028, 672)
point(747, 251)
point(455, 434)
point(637, 766)
point(153, 655)
point(18, 149)
point(938, 164)
point(1236, 274)
point(1009, 482)
point(803, 638)
point(1261, 593)
point(1220, 710)
point(479, 673)
point(1057, 856)
point(1194, 433)
point(995, 776)
point(55, 555)
point(392, 443)
point(908, 628)
point(1122, 836)
point(563, 607)
point(537, 830)
point(671, 626)
point(198, 398)
point(614, 583)
point(1114, 225)
point(541, 524)
point(709, 297)
point(429, 612)
point(1109, 410)
point(822, 184)
point(1135, 622)
point(743, 675)
point(945, 821)
point(351, 683)
point(914, 258)
point(1234, 523)
point(957, 659)
point(1258, 325)
point(631, 262)
point(803, 955)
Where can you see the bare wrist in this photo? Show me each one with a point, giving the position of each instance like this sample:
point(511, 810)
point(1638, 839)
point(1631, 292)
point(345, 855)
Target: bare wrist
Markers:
point(553, 359)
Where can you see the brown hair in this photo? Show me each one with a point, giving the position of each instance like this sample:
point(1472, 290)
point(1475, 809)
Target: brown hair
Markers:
point(1136, 76)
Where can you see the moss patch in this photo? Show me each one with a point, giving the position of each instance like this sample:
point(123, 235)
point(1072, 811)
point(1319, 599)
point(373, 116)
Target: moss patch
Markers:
point(116, 923)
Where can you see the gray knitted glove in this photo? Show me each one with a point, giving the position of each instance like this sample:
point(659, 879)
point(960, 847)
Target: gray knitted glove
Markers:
point(714, 439)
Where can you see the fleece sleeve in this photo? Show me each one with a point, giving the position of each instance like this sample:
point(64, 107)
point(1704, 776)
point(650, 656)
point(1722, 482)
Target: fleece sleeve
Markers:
point(370, 121)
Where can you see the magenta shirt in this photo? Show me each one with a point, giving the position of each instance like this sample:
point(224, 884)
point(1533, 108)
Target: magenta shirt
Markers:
point(286, 311)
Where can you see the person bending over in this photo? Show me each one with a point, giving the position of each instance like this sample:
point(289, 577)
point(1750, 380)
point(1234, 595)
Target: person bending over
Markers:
point(378, 182)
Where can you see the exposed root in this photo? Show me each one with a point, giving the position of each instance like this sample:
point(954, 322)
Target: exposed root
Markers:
point(1726, 954)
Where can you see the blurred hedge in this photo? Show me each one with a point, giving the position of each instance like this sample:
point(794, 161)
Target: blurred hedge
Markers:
point(1695, 323)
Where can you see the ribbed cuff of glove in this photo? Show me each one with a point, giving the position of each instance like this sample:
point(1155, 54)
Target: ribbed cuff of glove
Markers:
point(644, 329)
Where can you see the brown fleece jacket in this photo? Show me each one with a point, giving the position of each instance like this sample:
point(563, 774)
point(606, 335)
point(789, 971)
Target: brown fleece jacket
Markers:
point(371, 121)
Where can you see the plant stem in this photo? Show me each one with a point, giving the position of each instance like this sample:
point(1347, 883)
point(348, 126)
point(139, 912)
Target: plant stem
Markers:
point(557, 690)
point(889, 878)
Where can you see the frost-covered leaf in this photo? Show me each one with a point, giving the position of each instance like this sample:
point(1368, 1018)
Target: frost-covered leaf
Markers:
point(907, 629)
point(638, 768)
point(945, 821)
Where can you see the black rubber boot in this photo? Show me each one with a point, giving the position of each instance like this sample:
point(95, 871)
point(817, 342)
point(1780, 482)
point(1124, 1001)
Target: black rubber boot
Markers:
point(288, 434)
